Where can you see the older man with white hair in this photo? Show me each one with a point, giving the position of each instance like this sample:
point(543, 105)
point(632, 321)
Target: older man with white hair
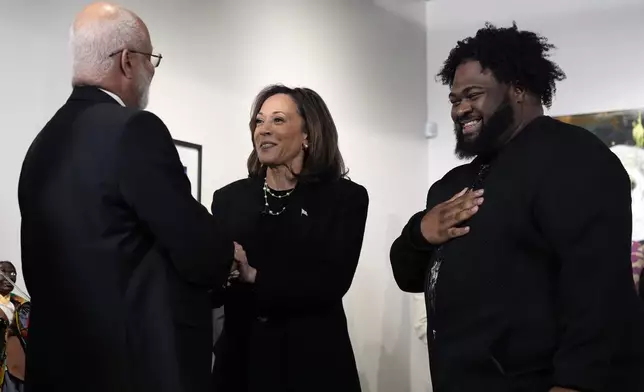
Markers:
point(118, 257)
point(112, 50)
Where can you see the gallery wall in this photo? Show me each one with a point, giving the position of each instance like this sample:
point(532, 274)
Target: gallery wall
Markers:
point(599, 47)
point(366, 60)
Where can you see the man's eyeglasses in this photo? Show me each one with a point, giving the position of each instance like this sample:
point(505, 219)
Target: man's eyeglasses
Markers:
point(155, 59)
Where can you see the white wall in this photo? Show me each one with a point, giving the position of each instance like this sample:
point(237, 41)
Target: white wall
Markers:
point(599, 47)
point(366, 61)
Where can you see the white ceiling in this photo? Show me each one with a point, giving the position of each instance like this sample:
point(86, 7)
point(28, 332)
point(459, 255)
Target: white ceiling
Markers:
point(450, 14)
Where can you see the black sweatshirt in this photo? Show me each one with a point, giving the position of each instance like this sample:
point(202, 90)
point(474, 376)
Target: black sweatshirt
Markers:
point(539, 293)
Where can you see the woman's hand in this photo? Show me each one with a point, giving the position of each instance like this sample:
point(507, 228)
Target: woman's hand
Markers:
point(233, 275)
point(247, 273)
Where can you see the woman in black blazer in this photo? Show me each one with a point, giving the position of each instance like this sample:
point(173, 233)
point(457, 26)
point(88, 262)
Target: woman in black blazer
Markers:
point(298, 224)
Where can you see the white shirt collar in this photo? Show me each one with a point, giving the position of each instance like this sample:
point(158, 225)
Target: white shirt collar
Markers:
point(114, 96)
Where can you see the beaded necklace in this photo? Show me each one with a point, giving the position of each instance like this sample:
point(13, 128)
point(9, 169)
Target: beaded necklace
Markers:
point(269, 192)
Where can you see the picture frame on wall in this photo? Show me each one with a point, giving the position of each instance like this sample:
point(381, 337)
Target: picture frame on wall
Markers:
point(190, 155)
point(619, 127)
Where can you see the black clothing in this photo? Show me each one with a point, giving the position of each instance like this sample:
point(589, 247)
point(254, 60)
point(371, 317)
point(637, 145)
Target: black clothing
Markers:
point(539, 293)
point(117, 255)
point(287, 332)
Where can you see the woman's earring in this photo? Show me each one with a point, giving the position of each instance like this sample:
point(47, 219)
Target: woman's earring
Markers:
point(305, 146)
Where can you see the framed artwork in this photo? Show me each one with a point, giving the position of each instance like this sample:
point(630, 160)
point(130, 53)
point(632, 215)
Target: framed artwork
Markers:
point(190, 156)
point(622, 127)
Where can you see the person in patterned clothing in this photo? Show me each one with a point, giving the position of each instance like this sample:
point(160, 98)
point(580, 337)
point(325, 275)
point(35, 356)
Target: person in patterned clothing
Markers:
point(14, 325)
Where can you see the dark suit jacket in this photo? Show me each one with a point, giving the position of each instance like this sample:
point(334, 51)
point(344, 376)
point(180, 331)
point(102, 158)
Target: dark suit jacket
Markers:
point(540, 291)
point(117, 255)
point(288, 331)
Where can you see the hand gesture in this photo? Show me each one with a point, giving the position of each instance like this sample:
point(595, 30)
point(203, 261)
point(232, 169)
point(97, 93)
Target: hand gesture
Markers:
point(246, 272)
point(240, 254)
point(439, 224)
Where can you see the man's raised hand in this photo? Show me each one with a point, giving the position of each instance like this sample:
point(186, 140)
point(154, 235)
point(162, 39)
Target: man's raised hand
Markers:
point(439, 224)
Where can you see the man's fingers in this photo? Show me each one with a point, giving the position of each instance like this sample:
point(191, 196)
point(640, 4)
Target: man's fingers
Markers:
point(459, 194)
point(446, 203)
point(458, 231)
point(467, 204)
point(467, 195)
point(461, 211)
point(458, 217)
point(464, 215)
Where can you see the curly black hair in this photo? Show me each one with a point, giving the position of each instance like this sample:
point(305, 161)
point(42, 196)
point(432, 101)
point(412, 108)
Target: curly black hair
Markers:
point(514, 56)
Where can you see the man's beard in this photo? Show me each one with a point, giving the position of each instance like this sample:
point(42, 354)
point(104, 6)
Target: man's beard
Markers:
point(493, 134)
point(143, 82)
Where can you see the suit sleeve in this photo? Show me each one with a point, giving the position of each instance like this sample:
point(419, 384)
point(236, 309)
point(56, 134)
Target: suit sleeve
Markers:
point(410, 254)
point(218, 294)
point(153, 183)
point(323, 276)
point(584, 210)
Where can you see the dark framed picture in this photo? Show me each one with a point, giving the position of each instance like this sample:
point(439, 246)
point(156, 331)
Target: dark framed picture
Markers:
point(190, 156)
point(622, 127)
